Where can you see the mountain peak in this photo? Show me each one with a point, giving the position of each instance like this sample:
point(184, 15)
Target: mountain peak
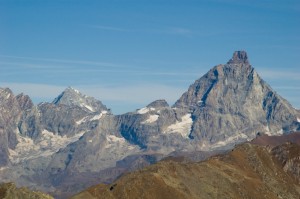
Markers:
point(158, 104)
point(239, 57)
point(72, 97)
point(71, 89)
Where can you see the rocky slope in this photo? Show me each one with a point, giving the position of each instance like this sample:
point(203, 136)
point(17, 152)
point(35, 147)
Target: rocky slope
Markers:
point(248, 171)
point(231, 103)
point(75, 141)
point(10, 191)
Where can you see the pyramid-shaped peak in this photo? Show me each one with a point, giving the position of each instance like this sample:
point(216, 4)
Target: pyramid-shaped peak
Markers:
point(67, 96)
point(73, 97)
point(239, 57)
point(71, 89)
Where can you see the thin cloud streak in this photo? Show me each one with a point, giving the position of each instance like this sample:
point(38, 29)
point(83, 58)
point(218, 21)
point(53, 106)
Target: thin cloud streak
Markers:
point(110, 28)
point(65, 61)
point(279, 74)
point(85, 69)
point(169, 30)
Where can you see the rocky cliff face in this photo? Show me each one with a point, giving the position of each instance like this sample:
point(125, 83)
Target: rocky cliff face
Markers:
point(52, 146)
point(10, 114)
point(231, 103)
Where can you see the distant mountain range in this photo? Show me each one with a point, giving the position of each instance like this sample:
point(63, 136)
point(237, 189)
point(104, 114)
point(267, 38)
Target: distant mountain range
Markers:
point(75, 142)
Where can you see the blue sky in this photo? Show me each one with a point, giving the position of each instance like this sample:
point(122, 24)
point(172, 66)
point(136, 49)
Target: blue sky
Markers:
point(128, 53)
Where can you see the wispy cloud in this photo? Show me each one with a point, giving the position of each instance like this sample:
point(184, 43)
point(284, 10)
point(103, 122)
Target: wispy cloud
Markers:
point(163, 30)
point(53, 60)
point(110, 28)
point(17, 64)
point(279, 74)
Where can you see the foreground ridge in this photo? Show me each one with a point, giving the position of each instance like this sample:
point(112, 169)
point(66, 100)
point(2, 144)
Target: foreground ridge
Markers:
point(248, 171)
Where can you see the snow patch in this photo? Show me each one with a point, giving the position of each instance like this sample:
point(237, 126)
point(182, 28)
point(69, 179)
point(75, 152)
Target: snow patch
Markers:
point(89, 118)
point(82, 120)
point(114, 140)
point(87, 106)
point(229, 140)
point(183, 128)
point(145, 110)
point(98, 117)
point(280, 132)
point(271, 133)
point(46, 145)
point(298, 120)
point(151, 119)
point(267, 130)
point(8, 96)
point(3, 168)
point(76, 91)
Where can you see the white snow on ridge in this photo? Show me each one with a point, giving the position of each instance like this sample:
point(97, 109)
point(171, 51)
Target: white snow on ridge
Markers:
point(151, 119)
point(298, 120)
point(87, 106)
point(184, 127)
point(88, 118)
point(44, 146)
point(145, 110)
point(98, 117)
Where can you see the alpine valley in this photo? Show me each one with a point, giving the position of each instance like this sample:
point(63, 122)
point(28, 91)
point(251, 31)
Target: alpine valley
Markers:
point(75, 142)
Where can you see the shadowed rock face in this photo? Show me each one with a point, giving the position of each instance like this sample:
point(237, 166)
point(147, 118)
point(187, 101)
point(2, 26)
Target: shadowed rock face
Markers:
point(24, 101)
point(10, 112)
point(248, 171)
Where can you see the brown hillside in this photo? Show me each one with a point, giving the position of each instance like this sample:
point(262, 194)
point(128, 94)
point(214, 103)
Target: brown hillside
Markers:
point(10, 191)
point(249, 171)
point(265, 140)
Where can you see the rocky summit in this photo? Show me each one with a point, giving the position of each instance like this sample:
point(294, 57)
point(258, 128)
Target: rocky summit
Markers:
point(75, 142)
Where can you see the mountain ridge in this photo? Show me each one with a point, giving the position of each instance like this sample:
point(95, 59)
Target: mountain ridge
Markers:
point(77, 137)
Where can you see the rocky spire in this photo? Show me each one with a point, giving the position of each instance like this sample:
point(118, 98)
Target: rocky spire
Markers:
point(239, 57)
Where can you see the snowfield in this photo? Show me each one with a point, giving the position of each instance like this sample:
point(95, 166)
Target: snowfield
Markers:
point(183, 128)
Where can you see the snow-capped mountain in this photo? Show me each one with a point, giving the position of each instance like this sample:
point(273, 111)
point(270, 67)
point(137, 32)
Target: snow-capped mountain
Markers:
point(72, 97)
point(75, 141)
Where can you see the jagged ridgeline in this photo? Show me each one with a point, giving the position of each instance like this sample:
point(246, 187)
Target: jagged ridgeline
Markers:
point(74, 142)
